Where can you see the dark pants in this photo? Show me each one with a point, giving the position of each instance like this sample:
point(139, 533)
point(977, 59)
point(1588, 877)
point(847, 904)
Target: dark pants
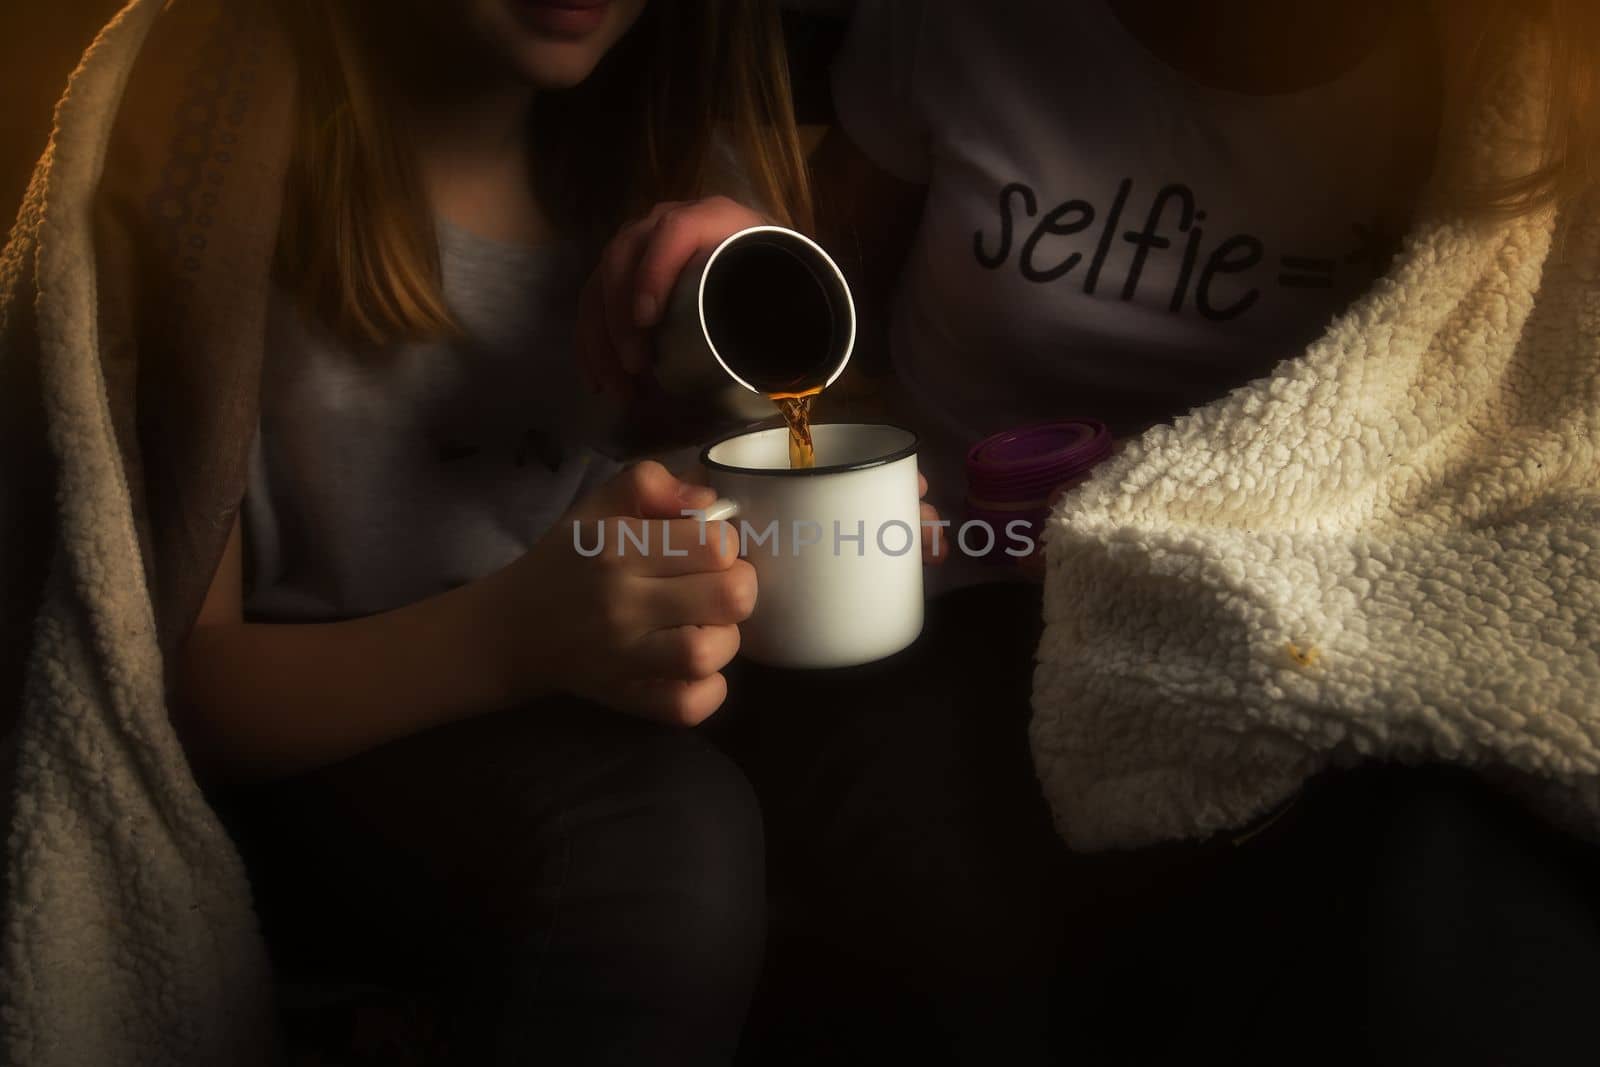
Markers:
point(587, 888)
point(1392, 915)
point(1388, 915)
point(924, 911)
point(590, 889)
point(580, 887)
point(915, 877)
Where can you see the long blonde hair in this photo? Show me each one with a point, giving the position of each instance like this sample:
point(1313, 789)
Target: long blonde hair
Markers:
point(356, 243)
point(1568, 142)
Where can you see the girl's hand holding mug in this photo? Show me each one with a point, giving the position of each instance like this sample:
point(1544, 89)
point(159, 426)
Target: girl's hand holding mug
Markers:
point(624, 298)
point(644, 632)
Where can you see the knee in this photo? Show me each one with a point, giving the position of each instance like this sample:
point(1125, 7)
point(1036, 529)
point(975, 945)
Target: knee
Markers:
point(1439, 826)
point(690, 836)
point(1481, 939)
point(648, 901)
point(706, 830)
point(1461, 873)
point(1412, 824)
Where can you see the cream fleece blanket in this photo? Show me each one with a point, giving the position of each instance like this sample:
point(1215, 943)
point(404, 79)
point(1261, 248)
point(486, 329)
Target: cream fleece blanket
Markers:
point(129, 937)
point(1387, 548)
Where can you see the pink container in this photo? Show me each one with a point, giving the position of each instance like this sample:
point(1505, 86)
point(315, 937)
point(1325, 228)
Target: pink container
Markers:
point(1012, 475)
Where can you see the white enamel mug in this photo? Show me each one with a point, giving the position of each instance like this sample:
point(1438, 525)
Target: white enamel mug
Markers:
point(837, 548)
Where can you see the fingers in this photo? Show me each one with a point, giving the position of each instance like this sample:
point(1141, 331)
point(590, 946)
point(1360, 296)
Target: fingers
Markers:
point(669, 548)
point(676, 702)
point(695, 474)
point(605, 347)
point(681, 232)
point(645, 491)
point(627, 343)
point(719, 598)
point(627, 338)
point(686, 652)
point(627, 294)
point(935, 543)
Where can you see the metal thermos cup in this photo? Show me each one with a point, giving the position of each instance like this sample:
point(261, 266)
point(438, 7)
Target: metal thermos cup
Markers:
point(766, 312)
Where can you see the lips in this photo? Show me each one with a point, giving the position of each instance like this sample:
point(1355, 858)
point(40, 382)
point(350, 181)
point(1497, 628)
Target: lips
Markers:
point(568, 19)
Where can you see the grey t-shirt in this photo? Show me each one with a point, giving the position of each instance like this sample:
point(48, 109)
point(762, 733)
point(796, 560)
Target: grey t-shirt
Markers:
point(379, 481)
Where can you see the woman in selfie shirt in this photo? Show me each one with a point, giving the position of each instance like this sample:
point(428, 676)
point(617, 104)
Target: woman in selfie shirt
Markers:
point(1125, 209)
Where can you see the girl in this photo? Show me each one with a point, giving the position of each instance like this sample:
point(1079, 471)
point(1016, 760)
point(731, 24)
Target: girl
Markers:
point(443, 738)
point(1128, 209)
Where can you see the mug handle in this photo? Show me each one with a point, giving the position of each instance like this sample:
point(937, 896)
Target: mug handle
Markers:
point(720, 509)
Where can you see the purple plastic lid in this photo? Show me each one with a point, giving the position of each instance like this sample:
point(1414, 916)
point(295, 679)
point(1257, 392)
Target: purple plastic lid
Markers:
point(1028, 462)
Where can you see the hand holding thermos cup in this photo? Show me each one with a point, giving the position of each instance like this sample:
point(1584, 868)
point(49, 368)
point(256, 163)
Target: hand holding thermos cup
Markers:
point(829, 515)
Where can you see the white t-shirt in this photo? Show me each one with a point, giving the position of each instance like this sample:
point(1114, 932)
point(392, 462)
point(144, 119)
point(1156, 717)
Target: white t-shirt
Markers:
point(1103, 236)
point(382, 480)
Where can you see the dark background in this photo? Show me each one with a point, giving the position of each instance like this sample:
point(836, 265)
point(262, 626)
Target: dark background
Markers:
point(39, 46)
point(41, 42)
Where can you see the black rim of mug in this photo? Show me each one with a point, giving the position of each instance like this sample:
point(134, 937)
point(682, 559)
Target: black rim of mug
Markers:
point(908, 449)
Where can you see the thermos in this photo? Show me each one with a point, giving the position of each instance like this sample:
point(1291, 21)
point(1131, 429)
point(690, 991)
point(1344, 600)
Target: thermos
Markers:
point(1013, 476)
point(766, 313)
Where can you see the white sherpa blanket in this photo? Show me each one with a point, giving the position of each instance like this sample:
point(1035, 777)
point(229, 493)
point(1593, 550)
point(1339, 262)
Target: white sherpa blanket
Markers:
point(129, 937)
point(1388, 548)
